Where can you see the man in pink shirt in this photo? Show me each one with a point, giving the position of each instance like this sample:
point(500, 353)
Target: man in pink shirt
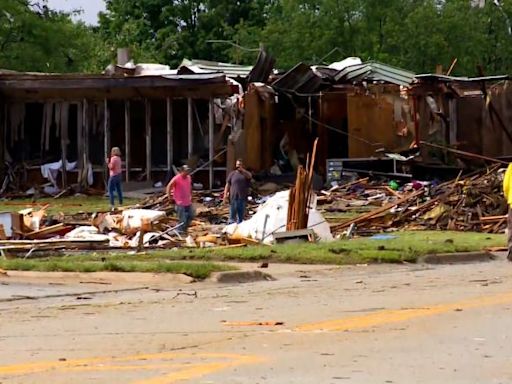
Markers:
point(115, 179)
point(180, 188)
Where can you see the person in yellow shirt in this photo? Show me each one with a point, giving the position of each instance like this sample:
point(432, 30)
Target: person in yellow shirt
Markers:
point(507, 191)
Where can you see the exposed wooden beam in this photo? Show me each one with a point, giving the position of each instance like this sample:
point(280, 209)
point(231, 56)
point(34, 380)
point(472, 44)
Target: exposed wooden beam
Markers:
point(127, 144)
point(148, 139)
point(170, 144)
point(190, 140)
point(85, 142)
point(106, 134)
point(3, 126)
point(211, 126)
point(63, 147)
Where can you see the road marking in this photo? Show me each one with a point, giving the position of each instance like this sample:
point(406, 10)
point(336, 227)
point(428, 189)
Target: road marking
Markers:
point(215, 362)
point(399, 315)
point(146, 362)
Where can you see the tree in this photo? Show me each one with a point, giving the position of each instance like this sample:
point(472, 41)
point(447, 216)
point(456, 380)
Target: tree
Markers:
point(413, 34)
point(35, 38)
point(168, 31)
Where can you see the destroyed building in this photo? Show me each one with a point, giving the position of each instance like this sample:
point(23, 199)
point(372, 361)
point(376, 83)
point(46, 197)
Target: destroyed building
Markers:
point(208, 114)
point(159, 117)
point(354, 108)
point(469, 114)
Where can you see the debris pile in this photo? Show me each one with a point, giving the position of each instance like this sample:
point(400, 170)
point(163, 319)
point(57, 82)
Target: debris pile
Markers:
point(300, 196)
point(471, 203)
point(363, 206)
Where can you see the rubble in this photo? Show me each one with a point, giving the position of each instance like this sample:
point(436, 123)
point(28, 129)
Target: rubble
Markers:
point(359, 207)
point(471, 203)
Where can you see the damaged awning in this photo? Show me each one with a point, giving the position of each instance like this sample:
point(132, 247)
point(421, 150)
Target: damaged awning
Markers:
point(69, 86)
point(375, 71)
point(300, 79)
point(443, 78)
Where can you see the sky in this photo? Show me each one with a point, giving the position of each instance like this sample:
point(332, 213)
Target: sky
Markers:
point(90, 8)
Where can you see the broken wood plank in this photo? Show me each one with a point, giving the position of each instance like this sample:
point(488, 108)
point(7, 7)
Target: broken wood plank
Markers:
point(54, 230)
point(378, 211)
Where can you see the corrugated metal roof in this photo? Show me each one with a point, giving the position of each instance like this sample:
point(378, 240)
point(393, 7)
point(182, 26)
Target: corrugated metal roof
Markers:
point(375, 71)
point(205, 66)
point(262, 69)
point(300, 79)
point(436, 77)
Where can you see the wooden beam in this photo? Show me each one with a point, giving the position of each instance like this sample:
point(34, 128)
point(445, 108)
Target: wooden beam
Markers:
point(170, 146)
point(148, 139)
point(449, 72)
point(106, 135)
point(190, 128)
point(85, 142)
point(64, 149)
point(211, 126)
point(127, 144)
point(452, 107)
point(3, 128)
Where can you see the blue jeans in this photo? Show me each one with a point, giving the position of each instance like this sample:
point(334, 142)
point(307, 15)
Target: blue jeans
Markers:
point(237, 210)
point(114, 184)
point(185, 216)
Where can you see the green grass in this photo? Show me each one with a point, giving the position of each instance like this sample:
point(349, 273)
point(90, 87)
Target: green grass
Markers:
point(198, 270)
point(199, 263)
point(66, 205)
point(407, 246)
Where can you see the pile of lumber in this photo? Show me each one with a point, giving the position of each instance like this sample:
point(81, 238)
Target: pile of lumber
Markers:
point(300, 195)
point(471, 203)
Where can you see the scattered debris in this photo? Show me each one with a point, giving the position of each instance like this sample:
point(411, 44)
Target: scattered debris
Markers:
point(252, 323)
point(361, 207)
point(471, 203)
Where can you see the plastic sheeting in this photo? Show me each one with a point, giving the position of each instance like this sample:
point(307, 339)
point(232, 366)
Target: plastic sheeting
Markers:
point(271, 218)
point(51, 171)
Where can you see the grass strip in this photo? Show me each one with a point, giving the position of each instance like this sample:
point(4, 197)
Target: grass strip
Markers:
point(197, 270)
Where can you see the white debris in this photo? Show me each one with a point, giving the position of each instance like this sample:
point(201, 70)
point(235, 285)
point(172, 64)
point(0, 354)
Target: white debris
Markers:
point(132, 218)
point(271, 218)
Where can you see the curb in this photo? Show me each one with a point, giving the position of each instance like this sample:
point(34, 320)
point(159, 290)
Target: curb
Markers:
point(240, 277)
point(460, 257)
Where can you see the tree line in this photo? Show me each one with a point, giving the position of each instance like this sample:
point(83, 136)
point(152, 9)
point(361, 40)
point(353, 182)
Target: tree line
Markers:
point(412, 34)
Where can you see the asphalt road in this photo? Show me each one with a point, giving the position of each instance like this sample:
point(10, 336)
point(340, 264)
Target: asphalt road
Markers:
point(359, 324)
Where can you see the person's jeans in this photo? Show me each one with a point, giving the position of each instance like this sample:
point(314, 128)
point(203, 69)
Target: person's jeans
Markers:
point(185, 216)
point(237, 210)
point(114, 184)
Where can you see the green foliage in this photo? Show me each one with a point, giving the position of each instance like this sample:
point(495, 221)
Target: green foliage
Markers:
point(168, 31)
point(35, 38)
point(413, 34)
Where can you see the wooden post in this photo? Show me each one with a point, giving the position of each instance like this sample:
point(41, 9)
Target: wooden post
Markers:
point(64, 149)
point(452, 107)
point(190, 128)
point(106, 135)
point(3, 129)
point(170, 148)
point(127, 138)
point(211, 126)
point(85, 143)
point(148, 140)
